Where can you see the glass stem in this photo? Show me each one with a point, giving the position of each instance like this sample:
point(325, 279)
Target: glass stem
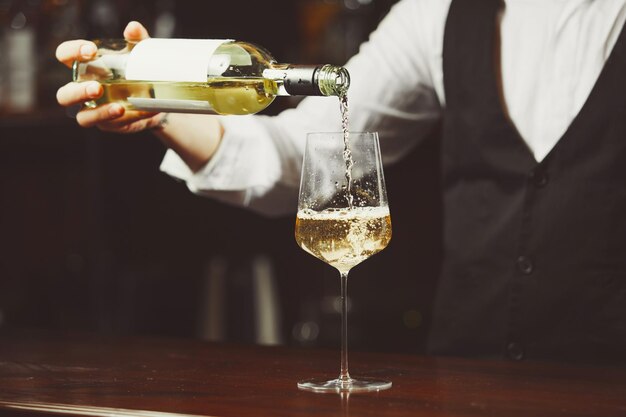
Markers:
point(344, 376)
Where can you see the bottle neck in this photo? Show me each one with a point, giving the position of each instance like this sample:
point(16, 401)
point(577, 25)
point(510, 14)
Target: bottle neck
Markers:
point(311, 80)
point(302, 80)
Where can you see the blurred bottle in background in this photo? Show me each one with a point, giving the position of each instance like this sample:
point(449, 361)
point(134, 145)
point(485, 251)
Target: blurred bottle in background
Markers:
point(4, 12)
point(4, 15)
point(20, 49)
point(164, 19)
point(104, 19)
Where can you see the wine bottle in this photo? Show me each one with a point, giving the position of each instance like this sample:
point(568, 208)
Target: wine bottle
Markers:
point(201, 76)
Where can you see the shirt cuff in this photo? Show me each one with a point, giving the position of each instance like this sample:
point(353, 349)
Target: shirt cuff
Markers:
point(220, 173)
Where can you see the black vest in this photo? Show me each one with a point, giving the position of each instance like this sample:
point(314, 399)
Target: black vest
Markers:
point(534, 253)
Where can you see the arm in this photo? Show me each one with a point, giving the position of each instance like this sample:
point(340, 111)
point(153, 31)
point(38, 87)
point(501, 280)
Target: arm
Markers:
point(254, 161)
point(392, 92)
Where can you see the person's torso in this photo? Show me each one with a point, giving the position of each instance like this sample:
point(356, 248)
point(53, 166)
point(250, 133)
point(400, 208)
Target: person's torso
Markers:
point(534, 252)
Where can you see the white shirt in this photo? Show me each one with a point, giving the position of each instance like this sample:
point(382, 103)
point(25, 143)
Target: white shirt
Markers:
point(552, 52)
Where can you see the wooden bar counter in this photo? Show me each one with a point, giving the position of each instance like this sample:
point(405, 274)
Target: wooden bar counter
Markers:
point(97, 376)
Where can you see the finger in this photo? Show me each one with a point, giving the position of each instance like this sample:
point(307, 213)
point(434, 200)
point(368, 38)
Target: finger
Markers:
point(101, 114)
point(135, 31)
point(128, 118)
point(134, 127)
point(75, 93)
point(76, 50)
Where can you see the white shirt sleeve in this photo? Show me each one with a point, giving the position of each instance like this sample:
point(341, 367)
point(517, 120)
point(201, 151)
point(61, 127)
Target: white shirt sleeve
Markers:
point(258, 162)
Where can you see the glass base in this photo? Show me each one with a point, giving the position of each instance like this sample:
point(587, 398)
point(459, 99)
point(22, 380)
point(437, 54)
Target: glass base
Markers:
point(339, 385)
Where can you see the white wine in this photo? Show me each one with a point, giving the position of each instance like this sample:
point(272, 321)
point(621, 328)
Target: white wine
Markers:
point(201, 76)
point(217, 95)
point(347, 153)
point(343, 238)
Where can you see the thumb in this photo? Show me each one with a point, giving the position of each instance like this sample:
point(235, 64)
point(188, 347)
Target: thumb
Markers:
point(135, 31)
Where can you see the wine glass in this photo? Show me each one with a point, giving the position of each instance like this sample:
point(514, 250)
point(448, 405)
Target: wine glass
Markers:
point(343, 219)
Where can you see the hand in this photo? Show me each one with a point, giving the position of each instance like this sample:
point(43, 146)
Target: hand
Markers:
point(111, 117)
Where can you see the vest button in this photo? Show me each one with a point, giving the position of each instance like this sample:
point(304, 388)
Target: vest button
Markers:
point(515, 351)
point(525, 265)
point(538, 177)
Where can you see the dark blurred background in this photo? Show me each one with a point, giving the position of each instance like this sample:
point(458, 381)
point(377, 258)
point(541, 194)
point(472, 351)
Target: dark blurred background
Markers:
point(93, 237)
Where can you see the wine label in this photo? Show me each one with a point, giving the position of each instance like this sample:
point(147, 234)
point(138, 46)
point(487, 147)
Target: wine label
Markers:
point(171, 105)
point(184, 60)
